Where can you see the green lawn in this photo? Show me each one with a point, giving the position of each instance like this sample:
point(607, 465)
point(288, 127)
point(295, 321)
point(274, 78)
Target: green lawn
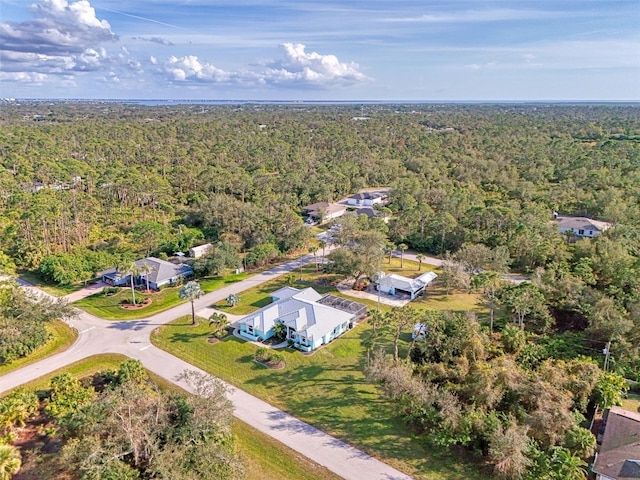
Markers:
point(326, 389)
point(51, 288)
point(109, 307)
point(632, 402)
point(62, 337)
point(262, 457)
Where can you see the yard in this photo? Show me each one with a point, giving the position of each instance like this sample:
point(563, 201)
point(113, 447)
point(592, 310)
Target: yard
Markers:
point(434, 298)
point(109, 306)
point(327, 389)
point(262, 457)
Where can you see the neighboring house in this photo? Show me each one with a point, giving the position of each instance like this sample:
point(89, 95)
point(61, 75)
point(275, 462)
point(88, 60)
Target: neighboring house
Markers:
point(367, 199)
point(161, 273)
point(370, 212)
point(200, 250)
point(324, 211)
point(398, 285)
point(619, 455)
point(580, 226)
point(312, 319)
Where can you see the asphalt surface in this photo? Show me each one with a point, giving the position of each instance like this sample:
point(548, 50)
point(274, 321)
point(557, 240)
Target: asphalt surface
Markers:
point(132, 338)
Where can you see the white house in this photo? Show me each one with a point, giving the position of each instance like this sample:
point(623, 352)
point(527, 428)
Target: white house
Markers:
point(311, 319)
point(580, 226)
point(619, 455)
point(200, 250)
point(366, 199)
point(398, 285)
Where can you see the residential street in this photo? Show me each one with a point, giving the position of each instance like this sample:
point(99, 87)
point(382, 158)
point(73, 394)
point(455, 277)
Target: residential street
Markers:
point(132, 338)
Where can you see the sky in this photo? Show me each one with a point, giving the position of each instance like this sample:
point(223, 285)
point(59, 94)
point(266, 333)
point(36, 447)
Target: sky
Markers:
point(387, 50)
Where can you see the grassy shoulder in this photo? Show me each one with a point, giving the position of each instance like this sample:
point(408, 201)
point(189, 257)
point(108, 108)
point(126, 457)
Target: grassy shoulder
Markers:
point(327, 389)
point(262, 456)
point(51, 288)
point(110, 307)
point(62, 337)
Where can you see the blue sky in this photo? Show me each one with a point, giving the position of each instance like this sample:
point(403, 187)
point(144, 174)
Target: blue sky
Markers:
point(321, 50)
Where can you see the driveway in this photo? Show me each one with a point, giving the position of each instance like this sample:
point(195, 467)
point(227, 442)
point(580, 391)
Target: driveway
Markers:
point(133, 339)
point(85, 292)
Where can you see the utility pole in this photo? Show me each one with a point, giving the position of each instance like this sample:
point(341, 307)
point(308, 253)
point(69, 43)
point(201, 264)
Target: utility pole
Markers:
point(607, 354)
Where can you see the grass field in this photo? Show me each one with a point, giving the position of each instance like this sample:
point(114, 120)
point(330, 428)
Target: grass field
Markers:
point(262, 457)
point(109, 308)
point(327, 389)
point(62, 337)
point(632, 402)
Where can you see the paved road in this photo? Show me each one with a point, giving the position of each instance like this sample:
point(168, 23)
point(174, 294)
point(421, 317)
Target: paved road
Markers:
point(132, 338)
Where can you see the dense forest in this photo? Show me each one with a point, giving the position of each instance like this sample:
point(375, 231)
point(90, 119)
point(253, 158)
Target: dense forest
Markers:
point(84, 187)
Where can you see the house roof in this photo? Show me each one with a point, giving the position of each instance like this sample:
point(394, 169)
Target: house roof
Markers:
point(582, 223)
point(324, 208)
point(162, 270)
point(366, 195)
point(299, 310)
point(407, 284)
point(619, 455)
point(201, 248)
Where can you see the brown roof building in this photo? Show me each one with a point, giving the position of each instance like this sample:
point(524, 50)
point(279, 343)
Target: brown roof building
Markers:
point(619, 455)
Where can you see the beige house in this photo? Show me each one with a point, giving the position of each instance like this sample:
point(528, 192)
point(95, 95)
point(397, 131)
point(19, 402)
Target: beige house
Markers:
point(580, 226)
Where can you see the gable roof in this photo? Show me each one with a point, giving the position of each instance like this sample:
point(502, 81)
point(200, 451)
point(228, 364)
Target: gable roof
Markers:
point(299, 310)
point(619, 455)
point(582, 223)
point(162, 270)
point(201, 248)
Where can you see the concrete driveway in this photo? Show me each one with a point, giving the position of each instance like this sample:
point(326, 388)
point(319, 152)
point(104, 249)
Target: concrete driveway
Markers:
point(85, 292)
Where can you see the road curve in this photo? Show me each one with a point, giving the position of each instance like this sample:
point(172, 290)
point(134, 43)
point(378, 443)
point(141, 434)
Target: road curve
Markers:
point(132, 338)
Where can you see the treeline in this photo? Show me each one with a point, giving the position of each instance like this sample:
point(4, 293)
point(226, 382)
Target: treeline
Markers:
point(517, 400)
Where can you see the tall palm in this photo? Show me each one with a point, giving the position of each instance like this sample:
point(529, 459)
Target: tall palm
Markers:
point(314, 250)
point(489, 281)
point(323, 245)
point(567, 466)
point(10, 461)
point(420, 258)
point(402, 247)
point(146, 269)
point(134, 270)
point(191, 291)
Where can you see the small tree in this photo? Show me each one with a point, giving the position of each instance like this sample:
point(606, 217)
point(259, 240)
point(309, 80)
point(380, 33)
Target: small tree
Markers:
point(191, 291)
point(233, 299)
point(420, 258)
point(219, 321)
point(280, 330)
point(290, 278)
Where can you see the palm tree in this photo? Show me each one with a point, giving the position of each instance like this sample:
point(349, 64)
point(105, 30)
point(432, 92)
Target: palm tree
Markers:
point(313, 250)
point(134, 270)
point(322, 244)
point(10, 461)
point(191, 291)
point(233, 299)
point(219, 321)
point(280, 330)
point(388, 249)
point(567, 466)
point(402, 247)
point(420, 258)
point(146, 269)
point(489, 281)
point(290, 278)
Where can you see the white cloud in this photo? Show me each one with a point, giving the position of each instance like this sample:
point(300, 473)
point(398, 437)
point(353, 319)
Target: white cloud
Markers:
point(300, 67)
point(64, 36)
point(297, 68)
point(25, 77)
